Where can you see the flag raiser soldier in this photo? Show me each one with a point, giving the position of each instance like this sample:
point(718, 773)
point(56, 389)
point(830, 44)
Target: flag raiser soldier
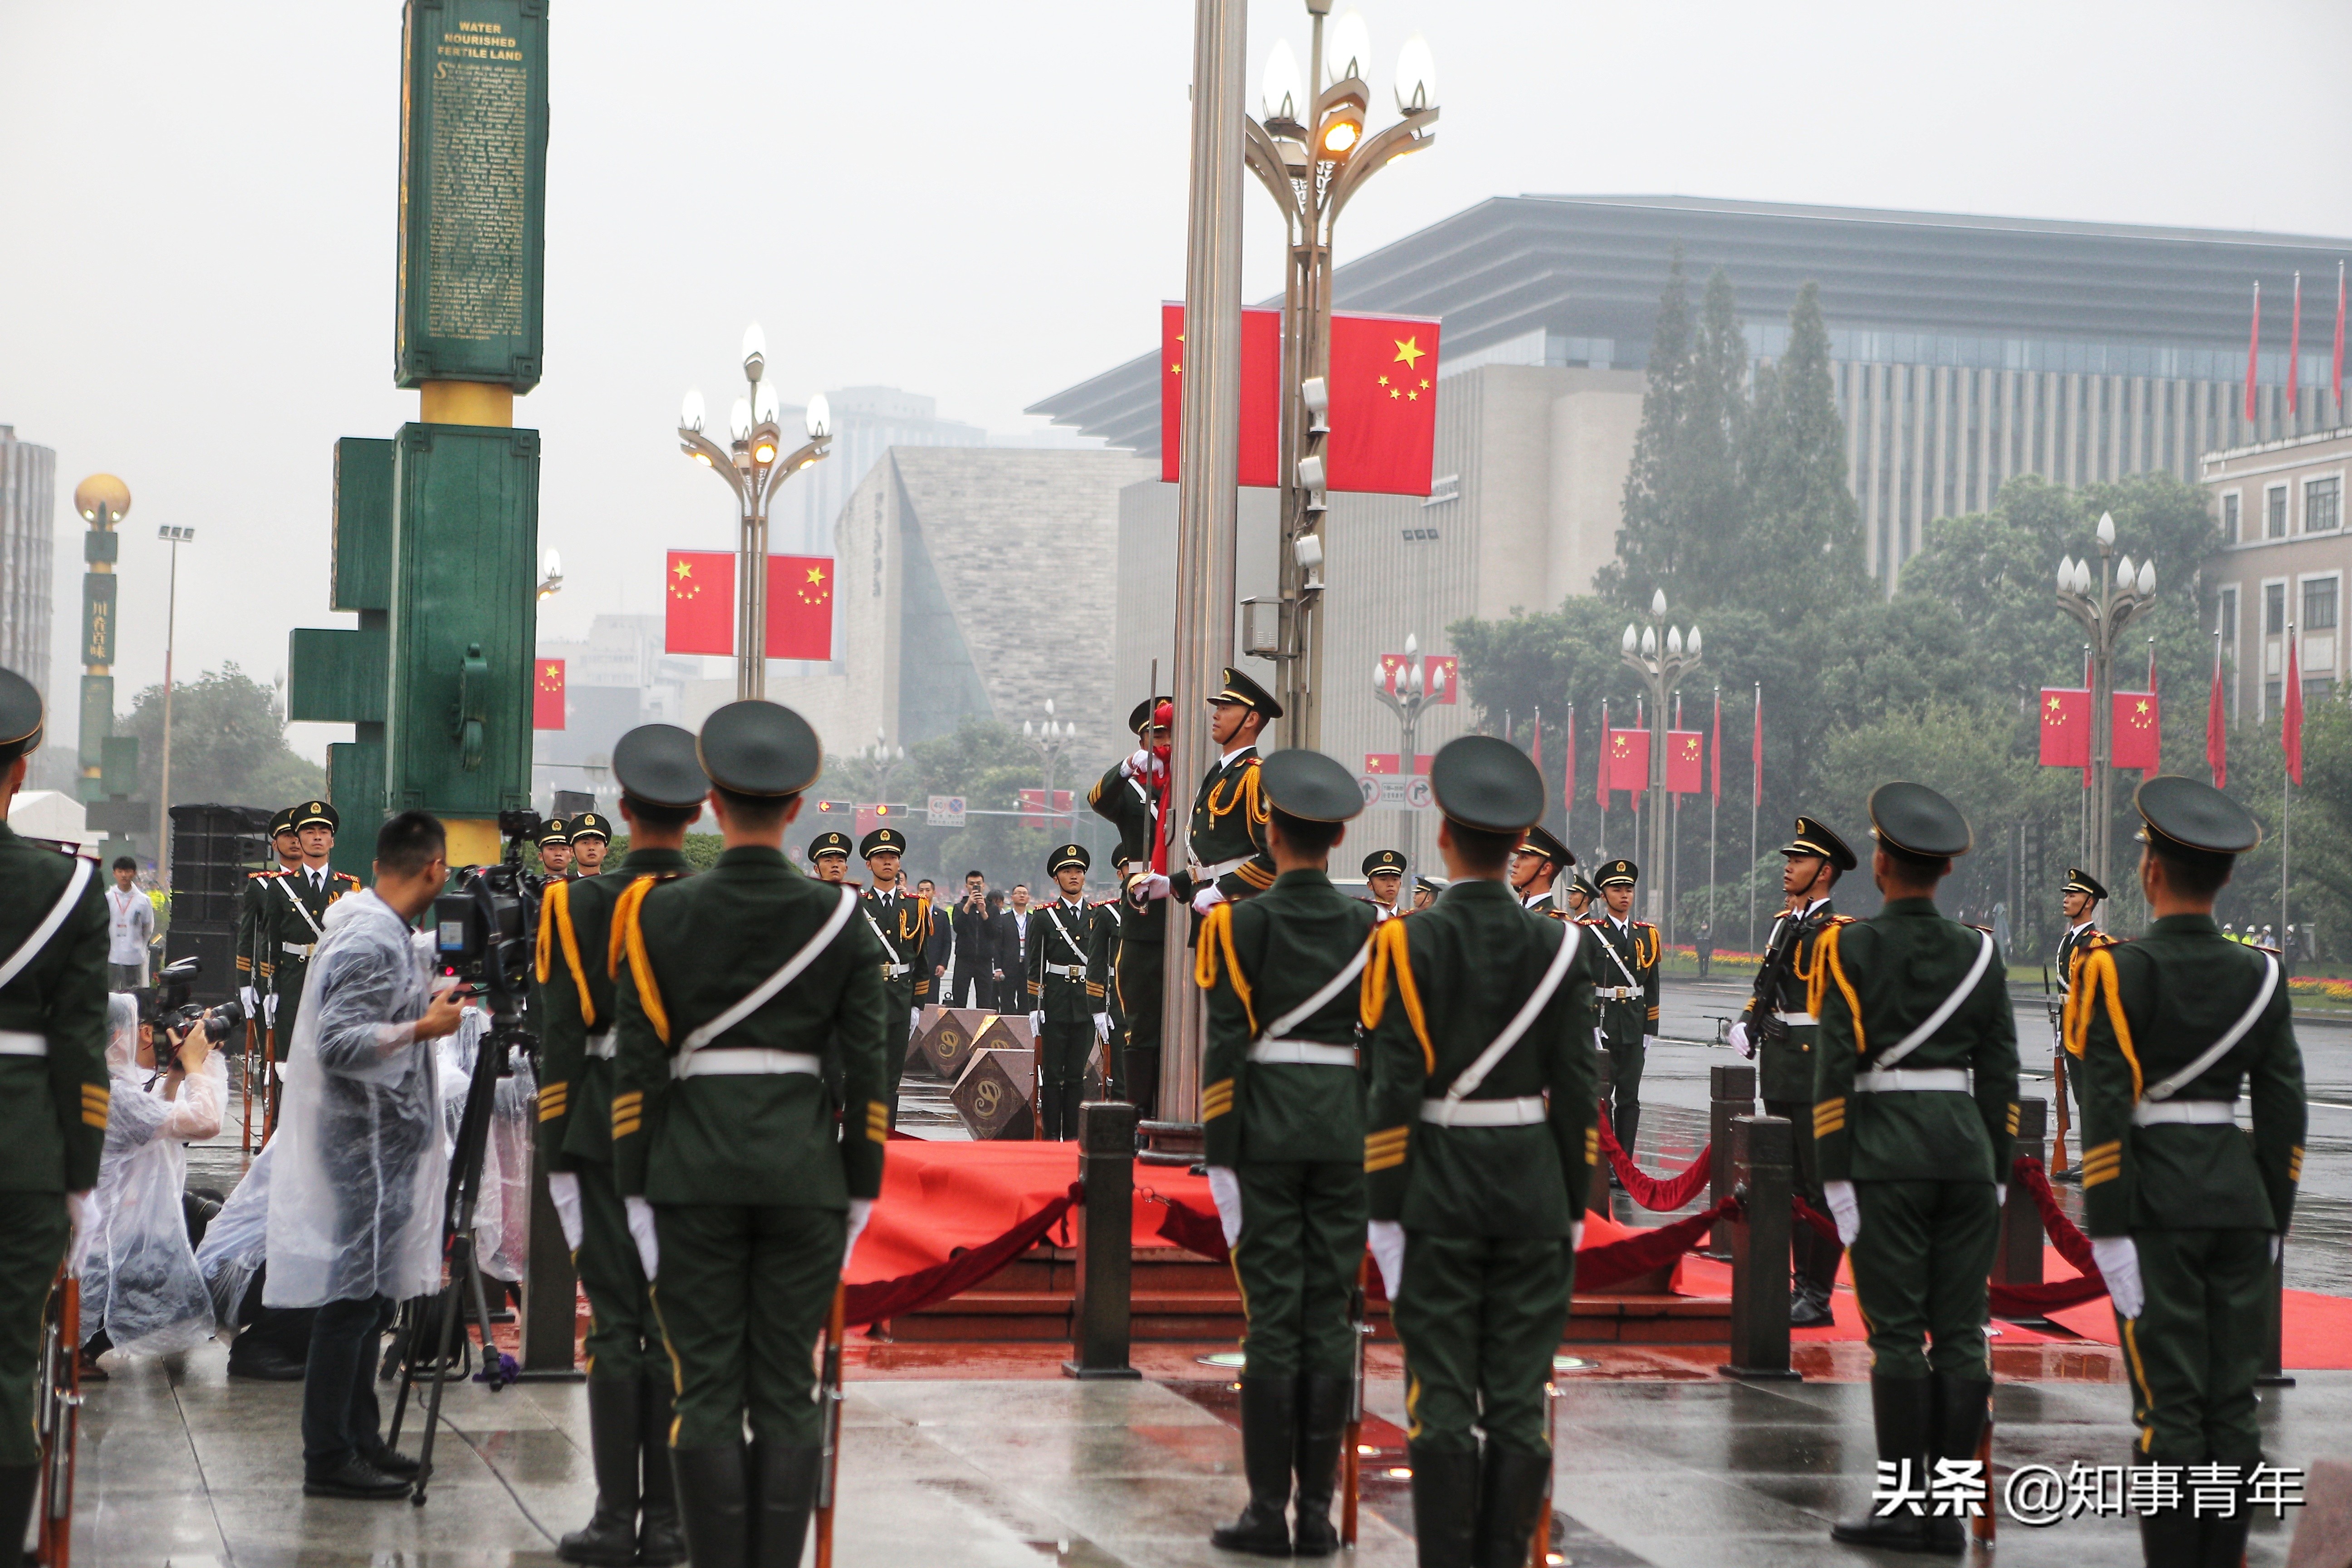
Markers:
point(1479, 1158)
point(1383, 879)
point(828, 855)
point(1627, 993)
point(1914, 1105)
point(1281, 1103)
point(745, 995)
point(1581, 897)
point(629, 1388)
point(1066, 983)
point(2185, 1211)
point(902, 923)
point(1224, 849)
point(2079, 896)
point(1132, 796)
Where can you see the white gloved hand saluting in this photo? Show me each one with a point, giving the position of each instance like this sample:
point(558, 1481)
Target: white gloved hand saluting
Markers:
point(641, 1231)
point(1845, 1209)
point(2118, 1260)
point(1206, 899)
point(1386, 1239)
point(81, 1215)
point(1226, 1188)
point(1740, 1041)
point(860, 1211)
point(563, 1187)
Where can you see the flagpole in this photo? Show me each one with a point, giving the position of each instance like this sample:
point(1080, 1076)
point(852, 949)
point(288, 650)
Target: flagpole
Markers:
point(2286, 779)
point(1755, 800)
point(1714, 808)
point(1567, 787)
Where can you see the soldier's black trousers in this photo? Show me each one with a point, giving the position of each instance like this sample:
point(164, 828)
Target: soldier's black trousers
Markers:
point(33, 1233)
point(2193, 1352)
point(1919, 1265)
point(623, 1341)
point(1625, 1057)
point(742, 1297)
point(1140, 966)
point(1480, 1319)
point(1302, 1237)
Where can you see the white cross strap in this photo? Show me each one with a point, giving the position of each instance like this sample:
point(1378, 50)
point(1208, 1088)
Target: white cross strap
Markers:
point(285, 884)
point(17, 1042)
point(1943, 1014)
point(50, 921)
point(744, 1061)
point(1067, 937)
point(767, 988)
point(1475, 1073)
point(1282, 1026)
point(1301, 1053)
point(2213, 1052)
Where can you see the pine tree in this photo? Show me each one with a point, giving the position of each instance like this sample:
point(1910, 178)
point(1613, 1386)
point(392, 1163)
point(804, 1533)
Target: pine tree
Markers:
point(1647, 539)
point(1803, 548)
point(1713, 521)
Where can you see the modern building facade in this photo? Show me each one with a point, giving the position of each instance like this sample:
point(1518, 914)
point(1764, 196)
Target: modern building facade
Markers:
point(2282, 566)
point(867, 421)
point(28, 504)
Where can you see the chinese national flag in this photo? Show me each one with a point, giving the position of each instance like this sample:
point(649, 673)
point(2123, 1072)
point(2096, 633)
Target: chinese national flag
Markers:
point(2138, 742)
point(698, 601)
point(1441, 693)
point(547, 695)
point(800, 606)
point(1261, 395)
point(2217, 726)
point(1032, 806)
point(1625, 760)
point(1385, 763)
point(1685, 761)
point(2066, 728)
point(2291, 717)
point(1383, 405)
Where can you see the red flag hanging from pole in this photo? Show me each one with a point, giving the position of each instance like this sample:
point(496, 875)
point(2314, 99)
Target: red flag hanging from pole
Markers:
point(1383, 415)
point(1685, 751)
point(800, 606)
point(2295, 346)
point(1567, 790)
point(2291, 714)
point(1260, 455)
point(698, 601)
point(2066, 728)
point(2253, 350)
point(2217, 729)
point(1715, 752)
point(1626, 763)
point(547, 696)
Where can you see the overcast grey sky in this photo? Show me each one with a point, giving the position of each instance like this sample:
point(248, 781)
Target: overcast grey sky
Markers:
point(980, 202)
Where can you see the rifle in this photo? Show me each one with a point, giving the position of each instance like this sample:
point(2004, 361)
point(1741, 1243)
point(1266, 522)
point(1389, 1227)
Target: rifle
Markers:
point(58, 1412)
point(1539, 1552)
point(252, 1041)
point(1350, 1462)
point(1981, 1526)
point(1765, 1027)
point(829, 1398)
point(2056, 1008)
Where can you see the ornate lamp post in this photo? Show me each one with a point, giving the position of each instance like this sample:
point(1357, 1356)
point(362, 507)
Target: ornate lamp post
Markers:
point(754, 465)
point(2105, 602)
point(886, 760)
point(1662, 662)
point(1311, 152)
point(1052, 740)
point(1416, 685)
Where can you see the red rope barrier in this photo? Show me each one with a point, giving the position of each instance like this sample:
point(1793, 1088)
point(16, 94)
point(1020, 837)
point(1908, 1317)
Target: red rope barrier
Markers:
point(1660, 1195)
point(1822, 1224)
point(879, 1298)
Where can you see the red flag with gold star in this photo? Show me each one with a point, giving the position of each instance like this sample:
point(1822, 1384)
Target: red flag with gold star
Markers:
point(547, 695)
point(1625, 760)
point(800, 606)
point(1685, 761)
point(698, 601)
point(1261, 395)
point(1383, 405)
point(2065, 726)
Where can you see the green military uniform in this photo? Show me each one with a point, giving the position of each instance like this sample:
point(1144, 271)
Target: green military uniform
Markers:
point(1281, 1102)
point(53, 1091)
point(1114, 912)
point(1133, 804)
point(2169, 1181)
point(1543, 844)
point(254, 961)
point(1224, 845)
point(1068, 974)
point(1486, 1174)
point(902, 923)
point(293, 918)
point(1913, 1133)
point(1627, 991)
point(733, 1143)
point(2079, 942)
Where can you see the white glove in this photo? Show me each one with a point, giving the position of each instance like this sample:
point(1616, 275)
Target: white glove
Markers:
point(1037, 1026)
point(1845, 1208)
point(1155, 884)
point(1102, 1025)
point(252, 1003)
point(1137, 765)
point(564, 1186)
point(2118, 1259)
point(1739, 1039)
point(2000, 1196)
point(914, 1018)
point(1206, 899)
point(2275, 1247)
point(1226, 1189)
point(1386, 1239)
point(81, 1215)
point(860, 1211)
point(1576, 1235)
point(269, 1011)
point(641, 1231)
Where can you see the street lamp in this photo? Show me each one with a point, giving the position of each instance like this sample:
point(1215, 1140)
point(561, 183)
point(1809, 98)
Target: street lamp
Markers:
point(886, 760)
point(1051, 739)
point(1413, 687)
point(1662, 661)
point(2105, 602)
point(1310, 150)
point(174, 537)
point(550, 575)
point(754, 465)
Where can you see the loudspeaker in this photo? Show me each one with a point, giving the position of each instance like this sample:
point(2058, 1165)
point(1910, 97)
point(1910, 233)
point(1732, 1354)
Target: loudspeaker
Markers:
point(212, 848)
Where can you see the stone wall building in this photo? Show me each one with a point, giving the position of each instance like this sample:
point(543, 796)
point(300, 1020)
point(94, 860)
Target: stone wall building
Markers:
point(2284, 563)
point(28, 504)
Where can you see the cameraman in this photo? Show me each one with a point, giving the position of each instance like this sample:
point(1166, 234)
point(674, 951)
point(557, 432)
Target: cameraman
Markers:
point(974, 924)
point(355, 1207)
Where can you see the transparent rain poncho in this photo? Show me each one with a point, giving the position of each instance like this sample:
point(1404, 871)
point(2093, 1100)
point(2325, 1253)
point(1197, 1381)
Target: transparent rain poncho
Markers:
point(140, 1282)
point(502, 1216)
point(238, 1240)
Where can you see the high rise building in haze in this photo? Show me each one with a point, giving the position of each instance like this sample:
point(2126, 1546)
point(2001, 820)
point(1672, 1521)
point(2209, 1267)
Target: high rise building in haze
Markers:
point(28, 504)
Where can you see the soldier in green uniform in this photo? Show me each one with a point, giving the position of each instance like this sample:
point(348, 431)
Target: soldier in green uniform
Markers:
point(295, 914)
point(53, 1090)
point(629, 1391)
point(1069, 972)
point(902, 922)
point(1479, 1159)
point(1582, 897)
point(747, 992)
point(1914, 1102)
point(591, 835)
point(1628, 993)
point(1281, 1103)
point(2079, 898)
point(2185, 1211)
point(254, 965)
point(1778, 1028)
point(1114, 1045)
point(554, 844)
point(828, 853)
point(1536, 869)
point(1225, 847)
point(1383, 880)
point(1131, 797)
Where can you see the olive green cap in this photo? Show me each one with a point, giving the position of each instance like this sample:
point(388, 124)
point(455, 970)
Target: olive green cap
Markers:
point(759, 748)
point(1485, 782)
point(1306, 783)
point(657, 765)
point(2194, 815)
point(1916, 819)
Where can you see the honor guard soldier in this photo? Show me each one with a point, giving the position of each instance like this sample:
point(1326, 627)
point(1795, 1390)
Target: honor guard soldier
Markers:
point(2079, 898)
point(1383, 879)
point(903, 924)
point(1114, 911)
point(1224, 849)
point(629, 1390)
point(254, 966)
point(745, 994)
point(1535, 873)
point(1133, 796)
point(297, 909)
point(554, 844)
point(1582, 897)
point(1628, 995)
point(1777, 1027)
point(591, 834)
point(2186, 1211)
point(1068, 979)
point(53, 1091)
point(1914, 1102)
point(1282, 1106)
point(1424, 893)
point(1479, 1159)
point(829, 854)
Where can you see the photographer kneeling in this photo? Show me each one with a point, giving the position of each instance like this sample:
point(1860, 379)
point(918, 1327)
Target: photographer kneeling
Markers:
point(355, 1204)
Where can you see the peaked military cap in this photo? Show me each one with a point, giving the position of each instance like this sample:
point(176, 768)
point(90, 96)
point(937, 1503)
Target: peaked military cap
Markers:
point(657, 765)
point(882, 841)
point(1302, 783)
point(1429, 885)
point(20, 716)
point(1814, 838)
point(1619, 874)
point(1380, 860)
point(2194, 815)
point(589, 825)
point(826, 843)
point(1239, 688)
point(1069, 855)
point(1139, 718)
point(316, 814)
point(1541, 841)
point(2081, 881)
point(1485, 782)
point(1915, 819)
point(1582, 888)
point(282, 823)
point(552, 832)
point(760, 748)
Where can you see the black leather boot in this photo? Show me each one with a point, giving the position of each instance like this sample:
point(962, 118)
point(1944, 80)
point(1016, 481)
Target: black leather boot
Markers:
point(2221, 1543)
point(780, 1509)
point(1444, 1506)
point(1322, 1430)
point(1961, 1403)
point(660, 1542)
point(610, 1537)
point(1269, 1441)
point(1512, 1486)
point(2175, 1539)
point(1900, 1410)
point(20, 1487)
point(713, 1504)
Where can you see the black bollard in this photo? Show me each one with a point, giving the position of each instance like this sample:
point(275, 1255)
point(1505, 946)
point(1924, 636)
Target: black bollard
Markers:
point(1597, 1200)
point(2017, 1257)
point(1731, 1092)
point(1098, 1322)
point(1761, 1153)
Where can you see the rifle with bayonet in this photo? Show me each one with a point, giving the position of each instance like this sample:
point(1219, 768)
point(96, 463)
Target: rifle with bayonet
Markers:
point(2054, 1004)
point(829, 1398)
point(1764, 1024)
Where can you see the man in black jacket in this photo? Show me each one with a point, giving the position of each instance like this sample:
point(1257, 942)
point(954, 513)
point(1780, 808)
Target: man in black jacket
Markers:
point(975, 967)
point(1015, 927)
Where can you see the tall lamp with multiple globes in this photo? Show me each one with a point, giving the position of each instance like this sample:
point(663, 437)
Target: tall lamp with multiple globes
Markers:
point(1052, 738)
point(1413, 687)
point(2104, 601)
point(1662, 662)
point(754, 464)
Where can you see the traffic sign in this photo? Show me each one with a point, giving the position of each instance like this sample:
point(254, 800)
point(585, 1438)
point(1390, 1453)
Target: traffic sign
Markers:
point(1393, 792)
point(944, 811)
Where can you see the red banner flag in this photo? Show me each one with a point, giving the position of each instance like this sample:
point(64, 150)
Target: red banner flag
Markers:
point(2217, 727)
point(2295, 346)
point(1386, 762)
point(547, 695)
point(2138, 742)
point(1032, 806)
point(699, 603)
point(2291, 716)
point(1261, 395)
point(1756, 750)
point(2066, 728)
point(1441, 675)
point(1626, 761)
point(2253, 350)
point(1715, 752)
point(1685, 761)
point(1383, 414)
point(800, 606)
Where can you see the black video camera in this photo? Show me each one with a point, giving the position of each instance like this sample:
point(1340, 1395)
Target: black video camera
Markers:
point(485, 925)
point(174, 1014)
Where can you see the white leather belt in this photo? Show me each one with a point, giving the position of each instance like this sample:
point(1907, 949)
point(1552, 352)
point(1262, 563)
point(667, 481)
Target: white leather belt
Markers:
point(1302, 1053)
point(600, 1046)
point(1796, 1019)
point(298, 949)
point(744, 1061)
point(1211, 873)
point(1067, 970)
point(16, 1043)
point(1615, 993)
point(2190, 1112)
point(1525, 1111)
point(893, 971)
point(1912, 1080)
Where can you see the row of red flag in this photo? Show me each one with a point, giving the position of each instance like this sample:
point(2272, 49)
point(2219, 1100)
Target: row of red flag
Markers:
point(2294, 346)
point(2136, 727)
point(1694, 757)
point(698, 601)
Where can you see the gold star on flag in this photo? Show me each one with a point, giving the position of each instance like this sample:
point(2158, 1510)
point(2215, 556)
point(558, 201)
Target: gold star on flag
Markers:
point(1413, 396)
point(1384, 380)
point(816, 575)
point(684, 569)
point(1409, 351)
point(1394, 393)
point(554, 671)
